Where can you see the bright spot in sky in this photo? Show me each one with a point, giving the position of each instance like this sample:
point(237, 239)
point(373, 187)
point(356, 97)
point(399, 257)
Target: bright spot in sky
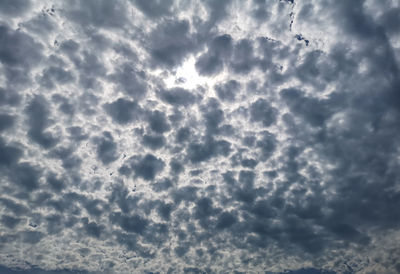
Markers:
point(186, 76)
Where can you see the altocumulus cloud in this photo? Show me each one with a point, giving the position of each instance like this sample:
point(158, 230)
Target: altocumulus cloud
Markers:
point(199, 136)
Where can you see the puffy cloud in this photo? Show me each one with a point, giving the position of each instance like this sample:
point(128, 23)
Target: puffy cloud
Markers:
point(123, 111)
point(278, 153)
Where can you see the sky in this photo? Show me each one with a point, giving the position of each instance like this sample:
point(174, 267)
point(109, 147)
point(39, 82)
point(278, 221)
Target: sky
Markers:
point(204, 136)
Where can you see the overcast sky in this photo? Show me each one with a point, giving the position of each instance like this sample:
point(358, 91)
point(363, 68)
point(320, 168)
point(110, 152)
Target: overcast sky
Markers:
point(208, 136)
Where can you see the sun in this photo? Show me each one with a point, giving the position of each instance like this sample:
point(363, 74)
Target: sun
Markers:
point(186, 76)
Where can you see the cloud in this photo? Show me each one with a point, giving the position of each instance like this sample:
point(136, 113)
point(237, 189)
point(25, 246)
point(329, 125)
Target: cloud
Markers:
point(178, 97)
point(278, 153)
point(170, 42)
point(154, 9)
point(37, 115)
point(15, 8)
point(148, 166)
point(123, 111)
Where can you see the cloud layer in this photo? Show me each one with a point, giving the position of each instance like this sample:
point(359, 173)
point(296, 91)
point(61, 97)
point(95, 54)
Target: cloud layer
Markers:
point(199, 136)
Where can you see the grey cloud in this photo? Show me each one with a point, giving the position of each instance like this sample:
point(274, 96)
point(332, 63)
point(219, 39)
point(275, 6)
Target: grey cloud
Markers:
point(250, 163)
point(92, 228)
point(9, 97)
point(131, 81)
point(391, 20)
point(91, 66)
point(32, 237)
point(267, 145)
point(134, 223)
point(9, 154)
point(242, 59)
point(14, 8)
point(148, 166)
point(154, 8)
point(158, 122)
point(16, 208)
point(18, 49)
point(55, 183)
point(41, 24)
point(165, 210)
point(217, 10)
point(26, 176)
point(97, 13)
point(77, 133)
point(227, 91)
point(69, 46)
point(170, 42)
point(179, 179)
point(38, 121)
point(55, 74)
point(153, 141)
point(107, 148)
point(199, 152)
point(211, 62)
point(176, 167)
point(177, 97)
point(226, 220)
point(10, 221)
point(183, 134)
point(123, 111)
point(162, 185)
point(262, 111)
